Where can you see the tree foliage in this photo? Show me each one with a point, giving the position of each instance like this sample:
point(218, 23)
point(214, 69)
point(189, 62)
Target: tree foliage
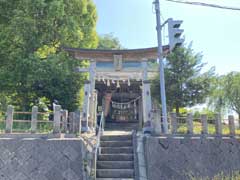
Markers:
point(108, 41)
point(226, 93)
point(217, 98)
point(32, 64)
point(186, 85)
point(232, 89)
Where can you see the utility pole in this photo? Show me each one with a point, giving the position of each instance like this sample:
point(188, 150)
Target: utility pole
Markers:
point(161, 67)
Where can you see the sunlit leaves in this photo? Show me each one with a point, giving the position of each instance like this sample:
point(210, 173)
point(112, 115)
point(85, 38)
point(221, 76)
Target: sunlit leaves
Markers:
point(32, 64)
point(186, 84)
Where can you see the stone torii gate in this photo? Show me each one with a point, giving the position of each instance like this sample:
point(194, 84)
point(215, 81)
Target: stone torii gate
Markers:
point(116, 65)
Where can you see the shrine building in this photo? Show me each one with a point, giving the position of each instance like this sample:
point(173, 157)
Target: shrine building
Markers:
point(118, 84)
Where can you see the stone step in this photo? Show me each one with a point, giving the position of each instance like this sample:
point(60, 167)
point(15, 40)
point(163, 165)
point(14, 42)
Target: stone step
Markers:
point(116, 150)
point(116, 138)
point(115, 165)
point(115, 143)
point(115, 173)
point(115, 157)
point(121, 126)
point(114, 179)
point(121, 121)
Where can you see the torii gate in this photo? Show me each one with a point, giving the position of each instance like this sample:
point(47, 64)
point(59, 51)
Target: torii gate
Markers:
point(116, 64)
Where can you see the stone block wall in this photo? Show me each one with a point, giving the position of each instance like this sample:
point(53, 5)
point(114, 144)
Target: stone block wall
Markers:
point(171, 159)
point(41, 159)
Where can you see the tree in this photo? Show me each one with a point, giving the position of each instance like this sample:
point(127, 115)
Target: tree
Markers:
point(108, 41)
point(232, 91)
point(32, 63)
point(226, 93)
point(56, 80)
point(186, 85)
point(217, 98)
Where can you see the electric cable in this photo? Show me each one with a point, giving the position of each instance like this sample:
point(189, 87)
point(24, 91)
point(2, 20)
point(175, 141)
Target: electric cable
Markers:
point(206, 5)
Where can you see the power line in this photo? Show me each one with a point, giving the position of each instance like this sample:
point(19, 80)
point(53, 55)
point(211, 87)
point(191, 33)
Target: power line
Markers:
point(206, 4)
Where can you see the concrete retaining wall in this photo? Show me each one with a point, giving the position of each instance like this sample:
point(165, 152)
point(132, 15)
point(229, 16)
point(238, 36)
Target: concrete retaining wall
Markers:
point(41, 159)
point(171, 159)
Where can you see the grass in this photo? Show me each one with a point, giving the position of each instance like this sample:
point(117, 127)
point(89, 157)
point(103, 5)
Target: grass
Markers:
point(2, 126)
point(221, 176)
point(2, 122)
point(197, 128)
point(45, 127)
point(21, 126)
point(25, 127)
point(42, 127)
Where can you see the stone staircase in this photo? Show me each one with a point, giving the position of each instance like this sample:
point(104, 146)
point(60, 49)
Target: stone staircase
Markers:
point(116, 159)
point(121, 126)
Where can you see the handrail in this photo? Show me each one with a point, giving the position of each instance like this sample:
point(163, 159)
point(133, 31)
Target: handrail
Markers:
point(100, 130)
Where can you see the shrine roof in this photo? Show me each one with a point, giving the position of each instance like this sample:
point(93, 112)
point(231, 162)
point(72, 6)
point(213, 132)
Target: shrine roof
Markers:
point(108, 55)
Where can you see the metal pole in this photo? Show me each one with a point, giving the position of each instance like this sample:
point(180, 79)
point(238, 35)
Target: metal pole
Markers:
point(161, 68)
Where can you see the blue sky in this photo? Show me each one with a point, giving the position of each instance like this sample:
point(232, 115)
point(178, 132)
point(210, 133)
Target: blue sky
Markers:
point(214, 32)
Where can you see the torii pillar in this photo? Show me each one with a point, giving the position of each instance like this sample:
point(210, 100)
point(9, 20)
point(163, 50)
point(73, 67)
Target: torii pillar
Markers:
point(89, 98)
point(146, 100)
point(92, 74)
point(85, 116)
